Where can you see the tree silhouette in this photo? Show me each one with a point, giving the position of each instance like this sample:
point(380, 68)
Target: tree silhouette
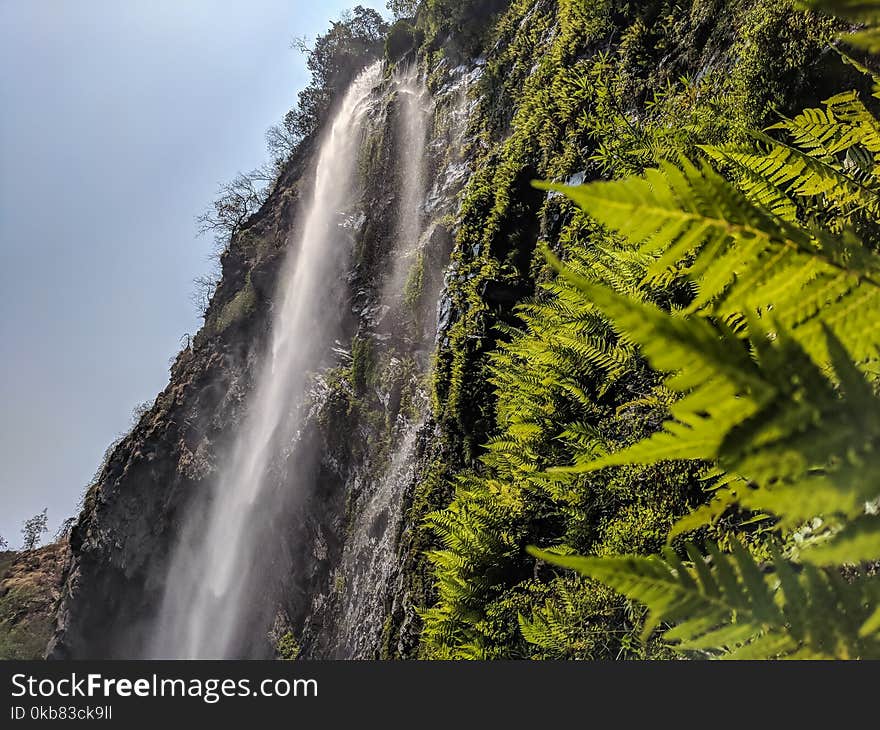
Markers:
point(33, 529)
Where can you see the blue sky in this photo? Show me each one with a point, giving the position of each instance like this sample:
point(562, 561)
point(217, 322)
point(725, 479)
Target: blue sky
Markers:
point(119, 120)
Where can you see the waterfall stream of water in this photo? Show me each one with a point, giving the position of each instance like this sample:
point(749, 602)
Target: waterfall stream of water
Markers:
point(430, 170)
point(227, 569)
point(214, 577)
point(369, 558)
point(412, 118)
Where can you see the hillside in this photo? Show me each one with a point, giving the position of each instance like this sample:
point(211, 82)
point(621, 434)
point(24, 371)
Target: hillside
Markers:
point(30, 585)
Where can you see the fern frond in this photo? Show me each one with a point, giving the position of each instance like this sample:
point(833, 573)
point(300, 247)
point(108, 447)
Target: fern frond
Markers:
point(862, 68)
point(808, 443)
point(857, 542)
point(772, 178)
point(859, 11)
point(704, 515)
point(763, 182)
point(728, 604)
point(740, 256)
point(844, 123)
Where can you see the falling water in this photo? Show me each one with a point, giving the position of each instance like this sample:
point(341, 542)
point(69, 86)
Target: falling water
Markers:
point(413, 112)
point(369, 560)
point(431, 171)
point(214, 583)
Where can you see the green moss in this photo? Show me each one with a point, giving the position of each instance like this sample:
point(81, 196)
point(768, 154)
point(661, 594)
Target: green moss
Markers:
point(387, 650)
point(239, 307)
point(781, 50)
point(403, 40)
point(287, 647)
point(415, 282)
point(363, 363)
point(458, 26)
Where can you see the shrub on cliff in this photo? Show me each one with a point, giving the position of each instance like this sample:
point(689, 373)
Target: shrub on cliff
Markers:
point(459, 25)
point(334, 59)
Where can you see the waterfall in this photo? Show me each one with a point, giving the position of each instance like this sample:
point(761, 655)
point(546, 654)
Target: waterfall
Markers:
point(413, 113)
point(369, 561)
point(431, 165)
point(215, 595)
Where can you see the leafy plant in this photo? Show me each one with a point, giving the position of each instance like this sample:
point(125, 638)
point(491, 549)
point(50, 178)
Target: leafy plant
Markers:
point(730, 606)
point(862, 12)
point(773, 360)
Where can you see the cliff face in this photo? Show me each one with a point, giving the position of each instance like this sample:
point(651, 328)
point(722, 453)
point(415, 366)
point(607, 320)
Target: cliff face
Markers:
point(121, 542)
point(369, 415)
point(403, 403)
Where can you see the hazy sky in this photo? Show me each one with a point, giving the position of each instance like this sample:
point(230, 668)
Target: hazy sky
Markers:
point(118, 120)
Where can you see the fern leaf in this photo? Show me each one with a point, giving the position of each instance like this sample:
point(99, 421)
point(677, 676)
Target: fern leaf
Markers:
point(860, 11)
point(872, 624)
point(731, 607)
point(704, 515)
point(867, 40)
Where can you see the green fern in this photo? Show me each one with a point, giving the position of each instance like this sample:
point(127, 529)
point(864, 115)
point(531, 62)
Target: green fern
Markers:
point(772, 417)
point(830, 162)
point(741, 257)
point(563, 358)
point(771, 361)
point(863, 12)
point(730, 606)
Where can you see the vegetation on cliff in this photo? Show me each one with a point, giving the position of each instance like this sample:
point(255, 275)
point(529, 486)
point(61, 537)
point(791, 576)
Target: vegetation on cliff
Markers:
point(29, 589)
point(755, 290)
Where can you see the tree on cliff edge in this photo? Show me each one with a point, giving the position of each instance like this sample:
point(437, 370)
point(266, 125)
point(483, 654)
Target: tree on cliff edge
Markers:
point(33, 530)
point(403, 8)
point(333, 59)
